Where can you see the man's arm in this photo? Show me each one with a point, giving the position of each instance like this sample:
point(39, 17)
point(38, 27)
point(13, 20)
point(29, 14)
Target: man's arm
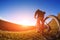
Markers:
point(35, 15)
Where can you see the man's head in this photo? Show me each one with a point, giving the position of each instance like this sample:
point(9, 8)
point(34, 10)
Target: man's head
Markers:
point(40, 12)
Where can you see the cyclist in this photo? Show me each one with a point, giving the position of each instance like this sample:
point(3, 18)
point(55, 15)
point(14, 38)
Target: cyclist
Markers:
point(39, 15)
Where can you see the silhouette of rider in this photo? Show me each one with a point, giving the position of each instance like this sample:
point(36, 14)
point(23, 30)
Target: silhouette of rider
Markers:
point(39, 15)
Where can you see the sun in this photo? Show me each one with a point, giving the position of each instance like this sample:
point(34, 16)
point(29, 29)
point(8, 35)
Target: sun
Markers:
point(26, 23)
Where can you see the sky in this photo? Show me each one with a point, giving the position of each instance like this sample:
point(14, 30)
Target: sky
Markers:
point(22, 11)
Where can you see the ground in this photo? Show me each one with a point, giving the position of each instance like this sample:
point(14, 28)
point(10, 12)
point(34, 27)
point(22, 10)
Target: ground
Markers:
point(26, 35)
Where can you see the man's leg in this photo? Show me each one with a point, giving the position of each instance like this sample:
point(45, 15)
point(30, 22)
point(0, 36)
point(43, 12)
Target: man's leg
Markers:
point(38, 25)
point(42, 26)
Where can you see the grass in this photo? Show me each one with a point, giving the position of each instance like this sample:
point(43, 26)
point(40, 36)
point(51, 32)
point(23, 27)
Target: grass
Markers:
point(25, 35)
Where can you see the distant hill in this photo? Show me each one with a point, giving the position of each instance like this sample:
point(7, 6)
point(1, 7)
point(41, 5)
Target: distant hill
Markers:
point(8, 26)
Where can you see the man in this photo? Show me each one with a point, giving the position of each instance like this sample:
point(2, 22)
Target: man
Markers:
point(39, 15)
